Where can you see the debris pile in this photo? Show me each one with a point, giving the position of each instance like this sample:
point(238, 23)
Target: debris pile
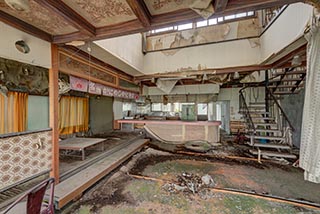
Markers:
point(188, 182)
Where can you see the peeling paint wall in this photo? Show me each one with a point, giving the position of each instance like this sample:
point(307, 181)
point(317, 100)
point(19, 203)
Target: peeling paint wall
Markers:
point(127, 48)
point(210, 34)
point(219, 55)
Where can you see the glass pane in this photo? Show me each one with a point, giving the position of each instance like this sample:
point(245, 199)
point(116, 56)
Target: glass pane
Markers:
point(240, 15)
point(202, 109)
point(250, 13)
point(156, 107)
point(163, 29)
point(166, 108)
point(220, 19)
point(229, 17)
point(185, 26)
point(213, 21)
point(202, 23)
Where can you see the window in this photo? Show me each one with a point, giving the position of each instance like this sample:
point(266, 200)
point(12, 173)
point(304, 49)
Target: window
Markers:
point(250, 13)
point(240, 15)
point(202, 109)
point(220, 19)
point(127, 107)
point(202, 23)
point(156, 107)
point(229, 17)
point(163, 29)
point(185, 26)
point(166, 108)
point(213, 21)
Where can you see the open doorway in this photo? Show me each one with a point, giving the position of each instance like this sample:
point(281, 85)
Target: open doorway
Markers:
point(223, 115)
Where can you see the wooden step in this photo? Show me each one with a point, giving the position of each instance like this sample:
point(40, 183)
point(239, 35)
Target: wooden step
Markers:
point(286, 80)
point(74, 186)
point(271, 145)
point(284, 92)
point(257, 104)
point(265, 137)
point(274, 154)
point(259, 112)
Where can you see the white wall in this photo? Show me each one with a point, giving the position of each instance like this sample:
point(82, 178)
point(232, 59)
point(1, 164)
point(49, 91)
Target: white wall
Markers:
point(220, 55)
point(127, 48)
point(286, 29)
point(40, 50)
point(232, 95)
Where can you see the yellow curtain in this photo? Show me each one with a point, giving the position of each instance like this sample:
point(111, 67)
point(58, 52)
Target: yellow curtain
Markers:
point(13, 112)
point(73, 114)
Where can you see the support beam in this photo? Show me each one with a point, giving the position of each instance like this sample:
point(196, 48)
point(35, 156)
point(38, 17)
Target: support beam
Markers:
point(140, 10)
point(23, 26)
point(220, 5)
point(217, 71)
point(54, 104)
point(61, 9)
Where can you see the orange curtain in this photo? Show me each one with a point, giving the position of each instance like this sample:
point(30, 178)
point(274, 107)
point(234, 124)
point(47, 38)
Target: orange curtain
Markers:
point(73, 115)
point(14, 109)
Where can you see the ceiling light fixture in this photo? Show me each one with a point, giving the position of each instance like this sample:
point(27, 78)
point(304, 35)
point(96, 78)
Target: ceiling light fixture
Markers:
point(18, 5)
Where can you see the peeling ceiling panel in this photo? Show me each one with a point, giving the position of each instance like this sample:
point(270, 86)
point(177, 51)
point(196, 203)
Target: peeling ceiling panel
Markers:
point(101, 12)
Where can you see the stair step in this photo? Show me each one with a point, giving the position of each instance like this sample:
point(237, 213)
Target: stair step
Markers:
point(265, 130)
point(265, 137)
point(265, 124)
point(271, 145)
point(285, 86)
point(256, 107)
point(284, 92)
point(274, 154)
point(291, 72)
point(262, 117)
point(259, 112)
point(257, 103)
point(286, 80)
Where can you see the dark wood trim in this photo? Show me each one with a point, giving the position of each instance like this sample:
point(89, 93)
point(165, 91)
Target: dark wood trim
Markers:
point(25, 27)
point(141, 11)
point(63, 10)
point(62, 39)
point(220, 5)
point(24, 133)
point(122, 29)
point(284, 60)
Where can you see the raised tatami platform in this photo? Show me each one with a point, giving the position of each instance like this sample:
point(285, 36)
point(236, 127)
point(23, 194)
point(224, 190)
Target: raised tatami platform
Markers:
point(75, 185)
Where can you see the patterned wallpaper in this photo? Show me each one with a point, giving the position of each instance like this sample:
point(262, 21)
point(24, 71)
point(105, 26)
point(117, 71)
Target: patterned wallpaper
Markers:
point(24, 156)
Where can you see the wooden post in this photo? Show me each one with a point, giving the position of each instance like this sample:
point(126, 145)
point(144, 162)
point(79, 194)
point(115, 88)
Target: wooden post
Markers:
point(54, 104)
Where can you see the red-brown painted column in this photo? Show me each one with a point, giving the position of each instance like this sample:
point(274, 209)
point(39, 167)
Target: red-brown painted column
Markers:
point(54, 104)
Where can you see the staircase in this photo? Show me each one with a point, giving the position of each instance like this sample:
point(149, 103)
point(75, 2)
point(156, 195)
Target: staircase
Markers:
point(267, 126)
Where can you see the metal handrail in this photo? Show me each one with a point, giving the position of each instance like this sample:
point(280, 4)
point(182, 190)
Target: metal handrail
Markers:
point(243, 102)
point(281, 109)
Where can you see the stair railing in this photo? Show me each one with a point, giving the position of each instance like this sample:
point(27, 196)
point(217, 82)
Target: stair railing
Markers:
point(285, 125)
point(246, 112)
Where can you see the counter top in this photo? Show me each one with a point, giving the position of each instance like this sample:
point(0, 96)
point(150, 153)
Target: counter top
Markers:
point(173, 122)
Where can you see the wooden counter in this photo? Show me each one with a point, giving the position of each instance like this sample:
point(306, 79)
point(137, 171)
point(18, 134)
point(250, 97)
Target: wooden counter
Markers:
point(181, 131)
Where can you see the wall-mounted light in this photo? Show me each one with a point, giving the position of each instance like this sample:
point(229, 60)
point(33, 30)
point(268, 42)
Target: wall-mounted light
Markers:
point(22, 46)
point(1, 75)
point(236, 75)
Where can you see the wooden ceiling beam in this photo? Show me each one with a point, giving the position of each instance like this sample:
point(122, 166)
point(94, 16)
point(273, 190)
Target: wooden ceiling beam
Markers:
point(60, 8)
point(168, 19)
point(140, 9)
point(220, 5)
point(25, 27)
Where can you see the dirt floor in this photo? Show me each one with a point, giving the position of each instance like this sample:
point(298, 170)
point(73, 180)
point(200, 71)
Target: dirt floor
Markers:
point(154, 181)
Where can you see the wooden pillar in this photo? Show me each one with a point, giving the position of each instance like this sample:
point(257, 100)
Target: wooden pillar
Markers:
point(54, 104)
